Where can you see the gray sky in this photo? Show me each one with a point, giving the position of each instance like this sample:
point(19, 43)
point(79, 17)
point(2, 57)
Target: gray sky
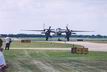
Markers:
point(88, 15)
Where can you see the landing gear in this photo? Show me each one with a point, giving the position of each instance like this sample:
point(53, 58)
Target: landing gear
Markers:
point(46, 38)
point(59, 39)
point(67, 38)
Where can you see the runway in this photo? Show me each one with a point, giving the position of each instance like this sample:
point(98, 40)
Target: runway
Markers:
point(92, 46)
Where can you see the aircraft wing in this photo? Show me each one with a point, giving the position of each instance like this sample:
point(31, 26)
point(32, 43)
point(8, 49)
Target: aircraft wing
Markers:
point(80, 31)
point(32, 30)
point(52, 31)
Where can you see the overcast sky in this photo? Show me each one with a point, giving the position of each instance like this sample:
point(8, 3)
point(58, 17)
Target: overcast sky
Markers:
point(88, 15)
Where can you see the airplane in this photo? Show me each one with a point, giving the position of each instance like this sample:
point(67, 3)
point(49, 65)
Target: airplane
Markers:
point(58, 32)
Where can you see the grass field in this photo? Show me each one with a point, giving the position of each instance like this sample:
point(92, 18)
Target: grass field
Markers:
point(52, 61)
point(40, 44)
point(55, 61)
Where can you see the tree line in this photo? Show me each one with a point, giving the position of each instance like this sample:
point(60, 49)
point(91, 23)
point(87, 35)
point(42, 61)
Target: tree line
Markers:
point(41, 36)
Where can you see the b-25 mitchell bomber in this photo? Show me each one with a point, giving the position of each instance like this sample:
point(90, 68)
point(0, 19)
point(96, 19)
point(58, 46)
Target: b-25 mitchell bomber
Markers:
point(58, 32)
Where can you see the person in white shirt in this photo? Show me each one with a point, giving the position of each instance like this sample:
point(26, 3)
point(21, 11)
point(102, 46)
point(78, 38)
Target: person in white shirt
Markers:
point(8, 42)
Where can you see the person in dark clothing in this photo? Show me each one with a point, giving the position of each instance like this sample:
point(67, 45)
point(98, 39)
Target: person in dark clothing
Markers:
point(8, 42)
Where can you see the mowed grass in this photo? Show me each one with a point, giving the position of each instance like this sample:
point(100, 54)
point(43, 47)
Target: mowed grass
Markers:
point(52, 61)
point(55, 61)
point(38, 44)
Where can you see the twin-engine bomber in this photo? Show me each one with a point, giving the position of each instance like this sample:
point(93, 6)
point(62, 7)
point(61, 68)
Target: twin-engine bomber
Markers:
point(58, 32)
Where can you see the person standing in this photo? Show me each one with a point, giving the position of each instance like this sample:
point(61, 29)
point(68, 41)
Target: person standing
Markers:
point(3, 65)
point(8, 42)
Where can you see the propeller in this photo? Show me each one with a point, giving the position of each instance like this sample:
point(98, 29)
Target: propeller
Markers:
point(47, 33)
point(68, 33)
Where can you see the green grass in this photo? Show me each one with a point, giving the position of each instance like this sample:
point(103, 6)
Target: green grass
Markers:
point(18, 44)
point(56, 54)
point(64, 61)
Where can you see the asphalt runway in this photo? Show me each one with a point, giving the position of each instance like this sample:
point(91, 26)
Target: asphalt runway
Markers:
point(92, 46)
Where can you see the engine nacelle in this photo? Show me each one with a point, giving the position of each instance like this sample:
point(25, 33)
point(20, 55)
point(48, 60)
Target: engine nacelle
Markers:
point(73, 33)
point(43, 32)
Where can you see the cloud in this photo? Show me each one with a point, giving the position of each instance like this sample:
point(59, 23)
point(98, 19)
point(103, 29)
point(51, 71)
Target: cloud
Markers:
point(33, 13)
point(15, 4)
